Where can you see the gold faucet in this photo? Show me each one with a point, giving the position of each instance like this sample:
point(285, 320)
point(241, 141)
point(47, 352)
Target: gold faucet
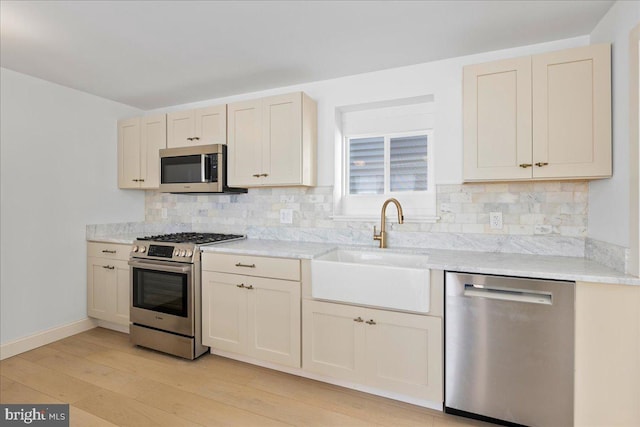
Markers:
point(383, 222)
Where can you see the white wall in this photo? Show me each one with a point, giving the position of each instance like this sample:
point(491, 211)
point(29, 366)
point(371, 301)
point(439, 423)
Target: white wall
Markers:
point(442, 79)
point(609, 198)
point(58, 174)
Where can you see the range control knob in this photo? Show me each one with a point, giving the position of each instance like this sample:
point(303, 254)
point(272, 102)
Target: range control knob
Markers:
point(189, 252)
point(134, 249)
point(176, 252)
point(183, 252)
point(142, 249)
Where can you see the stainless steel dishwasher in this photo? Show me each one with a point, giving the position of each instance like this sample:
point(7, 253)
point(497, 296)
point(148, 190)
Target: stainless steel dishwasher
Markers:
point(509, 349)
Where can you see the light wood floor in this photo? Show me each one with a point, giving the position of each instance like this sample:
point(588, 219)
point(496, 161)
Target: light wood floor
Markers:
point(107, 382)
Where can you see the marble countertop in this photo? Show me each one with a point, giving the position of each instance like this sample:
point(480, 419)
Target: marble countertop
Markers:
point(535, 266)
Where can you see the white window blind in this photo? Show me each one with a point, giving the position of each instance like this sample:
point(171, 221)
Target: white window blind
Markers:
point(408, 163)
point(366, 166)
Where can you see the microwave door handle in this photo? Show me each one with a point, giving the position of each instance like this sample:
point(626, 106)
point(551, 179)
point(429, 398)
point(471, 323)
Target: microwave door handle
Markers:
point(203, 173)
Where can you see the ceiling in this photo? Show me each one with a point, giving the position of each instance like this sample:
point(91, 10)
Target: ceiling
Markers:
point(152, 54)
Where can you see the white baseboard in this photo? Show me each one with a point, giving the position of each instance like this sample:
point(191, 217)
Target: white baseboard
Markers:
point(113, 326)
point(45, 337)
point(438, 406)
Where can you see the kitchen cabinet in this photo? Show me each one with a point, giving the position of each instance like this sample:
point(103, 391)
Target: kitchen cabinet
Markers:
point(202, 126)
point(541, 117)
point(607, 355)
point(139, 142)
point(250, 315)
point(108, 293)
point(391, 351)
point(272, 141)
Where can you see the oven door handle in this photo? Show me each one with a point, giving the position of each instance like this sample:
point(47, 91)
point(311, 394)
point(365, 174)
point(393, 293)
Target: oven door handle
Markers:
point(161, 267)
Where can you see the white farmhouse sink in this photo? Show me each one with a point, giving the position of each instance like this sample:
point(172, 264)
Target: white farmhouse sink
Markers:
point(374, 278)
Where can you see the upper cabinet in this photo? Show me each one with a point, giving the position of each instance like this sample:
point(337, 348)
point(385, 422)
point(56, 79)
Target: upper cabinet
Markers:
point(272, 141)
point(139, 142)
point(202, 126)
point(542, 117)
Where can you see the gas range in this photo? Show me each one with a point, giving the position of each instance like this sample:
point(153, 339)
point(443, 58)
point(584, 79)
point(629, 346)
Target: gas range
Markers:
point(178, 247)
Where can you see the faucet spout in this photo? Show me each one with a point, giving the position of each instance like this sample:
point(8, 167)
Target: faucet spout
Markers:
point(382, 237)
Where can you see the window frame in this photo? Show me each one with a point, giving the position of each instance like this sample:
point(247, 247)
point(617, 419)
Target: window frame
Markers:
point(419, 206)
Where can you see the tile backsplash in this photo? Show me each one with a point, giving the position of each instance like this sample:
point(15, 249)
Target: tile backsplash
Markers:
point(540, 218)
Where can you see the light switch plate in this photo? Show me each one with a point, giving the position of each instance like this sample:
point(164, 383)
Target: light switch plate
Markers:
point(286, 216)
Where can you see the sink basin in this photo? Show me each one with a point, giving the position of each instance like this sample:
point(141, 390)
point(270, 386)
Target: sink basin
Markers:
point(374, 278)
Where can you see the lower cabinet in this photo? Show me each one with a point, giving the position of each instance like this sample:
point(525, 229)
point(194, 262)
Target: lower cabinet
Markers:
point(395, 352)
point(108, 293)
point(253, 316)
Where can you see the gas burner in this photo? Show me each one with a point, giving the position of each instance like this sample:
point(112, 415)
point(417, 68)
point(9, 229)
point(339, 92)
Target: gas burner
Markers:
point(195, 238)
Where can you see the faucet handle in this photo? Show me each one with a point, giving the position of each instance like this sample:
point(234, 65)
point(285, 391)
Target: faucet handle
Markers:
point(376, 236)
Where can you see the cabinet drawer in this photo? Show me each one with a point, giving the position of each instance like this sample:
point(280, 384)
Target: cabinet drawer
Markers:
point(279, 268)
point(108, 250)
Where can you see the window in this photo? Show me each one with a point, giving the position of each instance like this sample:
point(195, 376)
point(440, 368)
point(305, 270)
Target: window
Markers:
point(388, 164)
point(385, 150)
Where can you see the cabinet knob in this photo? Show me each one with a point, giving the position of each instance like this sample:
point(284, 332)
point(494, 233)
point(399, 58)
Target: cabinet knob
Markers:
point(358, 319)
point(370, 322)
point(525, 165)
point(540, 164)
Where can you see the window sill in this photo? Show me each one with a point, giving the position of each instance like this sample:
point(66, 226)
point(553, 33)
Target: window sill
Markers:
point(390, 218)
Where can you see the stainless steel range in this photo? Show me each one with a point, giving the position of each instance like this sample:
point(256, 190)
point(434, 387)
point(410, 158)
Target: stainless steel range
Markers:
point(166, 291)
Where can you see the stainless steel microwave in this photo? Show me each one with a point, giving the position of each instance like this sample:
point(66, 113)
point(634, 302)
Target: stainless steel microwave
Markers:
point(196, 169)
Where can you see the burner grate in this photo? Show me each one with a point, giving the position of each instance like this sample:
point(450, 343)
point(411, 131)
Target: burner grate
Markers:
point(190, 237)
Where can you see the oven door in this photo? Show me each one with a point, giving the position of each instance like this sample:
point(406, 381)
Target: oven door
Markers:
point(162, 295)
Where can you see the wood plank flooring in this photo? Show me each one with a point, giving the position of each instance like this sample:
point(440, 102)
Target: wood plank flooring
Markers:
point(108, 382)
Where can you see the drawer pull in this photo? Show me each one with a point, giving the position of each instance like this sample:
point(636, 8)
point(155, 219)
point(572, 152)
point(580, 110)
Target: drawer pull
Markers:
point(108, 251)
point(239, 264)
point(250, 287)
point(358, 319)
point(540, 164)
point(108, 267)
point(264, 174)
point(240, 286)
point(256, 175)
point(525, 165)
point(370, 322)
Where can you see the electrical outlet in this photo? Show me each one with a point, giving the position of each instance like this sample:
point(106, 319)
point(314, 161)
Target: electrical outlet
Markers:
point(286, 216)
point(495, 220)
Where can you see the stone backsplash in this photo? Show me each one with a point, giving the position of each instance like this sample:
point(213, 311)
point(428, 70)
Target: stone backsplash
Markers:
point(547, 218)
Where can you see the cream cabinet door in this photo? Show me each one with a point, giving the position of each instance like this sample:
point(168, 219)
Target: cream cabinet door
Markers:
point(274, 320)
point(129, 134)
point(224, 312)
point(333, 343)
point(497, 120)
point(181, 128)
point(281, 140)
point(404, 353)
point(244, 154)
point(572, 113)
point(154, 138)
point(108, 293)
point(210, 125)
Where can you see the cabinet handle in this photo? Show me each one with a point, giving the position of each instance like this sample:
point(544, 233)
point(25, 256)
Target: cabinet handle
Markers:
point(264, 174)
point(525, 165)
point(108, 267)
point(540, 164)
point(249, 287)
point(141, 180)
point(370, 322)
point(240, 286)
point(195, 138)
point(189, 139)
point(358, 319)
point(239, 264)
point(108, 251)
point(135, 180)
point(256, 175)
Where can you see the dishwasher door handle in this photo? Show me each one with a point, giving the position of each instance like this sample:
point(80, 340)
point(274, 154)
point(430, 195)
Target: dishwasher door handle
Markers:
point(505, 294)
